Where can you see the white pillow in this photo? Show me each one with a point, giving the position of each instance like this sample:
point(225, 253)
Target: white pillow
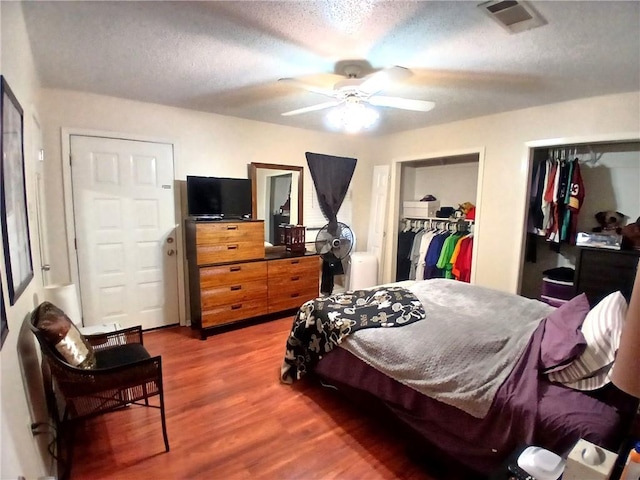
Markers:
point(601, 329)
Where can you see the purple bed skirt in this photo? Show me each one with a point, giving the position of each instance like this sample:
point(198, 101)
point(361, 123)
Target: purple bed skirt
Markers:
point(526, 410)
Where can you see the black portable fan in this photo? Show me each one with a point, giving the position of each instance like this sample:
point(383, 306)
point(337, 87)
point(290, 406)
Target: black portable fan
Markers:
point(333, 245)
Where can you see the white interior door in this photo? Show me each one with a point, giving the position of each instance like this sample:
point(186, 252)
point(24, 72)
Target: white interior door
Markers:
point(377, 215)
point(124, 218)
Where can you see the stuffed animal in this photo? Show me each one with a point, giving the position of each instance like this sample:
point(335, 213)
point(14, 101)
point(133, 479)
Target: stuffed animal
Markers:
point(609, 221)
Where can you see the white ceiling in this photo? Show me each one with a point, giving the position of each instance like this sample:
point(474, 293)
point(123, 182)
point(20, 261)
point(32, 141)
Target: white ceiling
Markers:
point(225, 57)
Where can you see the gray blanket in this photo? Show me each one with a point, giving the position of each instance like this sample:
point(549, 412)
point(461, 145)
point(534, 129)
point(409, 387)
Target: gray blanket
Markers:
point(465, 348)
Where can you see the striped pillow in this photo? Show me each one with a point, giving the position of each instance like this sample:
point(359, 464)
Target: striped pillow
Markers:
point(601, 329)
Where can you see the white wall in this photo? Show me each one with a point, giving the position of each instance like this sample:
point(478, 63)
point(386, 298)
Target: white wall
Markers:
point(450, 184)
point(21, 454)
point(205, 144)
point(504, 172)
point(612, 183)
point(209, 144)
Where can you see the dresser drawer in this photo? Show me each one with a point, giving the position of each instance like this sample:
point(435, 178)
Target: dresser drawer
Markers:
point(239, 251)
point(233, 312)
point(294, 282)
point(216, 232)
point(292, 299)
point(220, 275)
point(234, 293)
point(294, 266)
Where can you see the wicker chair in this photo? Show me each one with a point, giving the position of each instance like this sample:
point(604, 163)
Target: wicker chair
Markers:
point(125, 374)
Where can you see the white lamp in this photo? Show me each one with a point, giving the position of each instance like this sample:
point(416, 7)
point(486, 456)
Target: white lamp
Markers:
point(353, 116)
point(626, 368)
point(65, 297)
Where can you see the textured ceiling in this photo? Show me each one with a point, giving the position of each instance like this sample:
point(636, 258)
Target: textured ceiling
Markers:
point(225, 57)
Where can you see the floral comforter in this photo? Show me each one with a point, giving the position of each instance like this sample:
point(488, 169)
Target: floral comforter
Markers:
point(324, 322)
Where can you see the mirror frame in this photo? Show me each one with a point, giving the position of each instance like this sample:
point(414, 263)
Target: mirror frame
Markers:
point(253, 175)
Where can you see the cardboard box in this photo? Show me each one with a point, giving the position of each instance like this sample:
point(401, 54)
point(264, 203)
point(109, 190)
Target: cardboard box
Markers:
point(420, 209)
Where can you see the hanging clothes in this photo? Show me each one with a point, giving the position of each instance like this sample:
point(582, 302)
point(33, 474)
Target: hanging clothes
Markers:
point(433, 255)
point(536, 215)
point(446, 253)
point(556, 197)
point(462, 265)
point(414, 256)
point(575, 199)
point(424, 246)
point(403, 262)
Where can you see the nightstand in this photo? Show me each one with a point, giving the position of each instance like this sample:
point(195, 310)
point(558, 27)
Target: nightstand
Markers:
point(600, 272)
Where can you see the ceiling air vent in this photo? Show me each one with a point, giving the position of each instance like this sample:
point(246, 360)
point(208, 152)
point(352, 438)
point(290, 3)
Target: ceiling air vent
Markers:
point(512, 15)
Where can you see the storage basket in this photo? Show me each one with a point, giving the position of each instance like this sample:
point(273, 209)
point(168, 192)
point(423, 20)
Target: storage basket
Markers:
point(557, 289)
point(294, 237)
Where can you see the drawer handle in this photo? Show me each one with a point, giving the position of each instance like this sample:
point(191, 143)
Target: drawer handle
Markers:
point(236, 307)
point(294, 295)
point(232, 227)
point(232, 247)
point(293, 279)
point(236, 287)
point(235, 269)
point(293, 262)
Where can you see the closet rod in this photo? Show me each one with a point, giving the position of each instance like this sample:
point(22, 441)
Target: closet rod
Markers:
point(569, 152)
point(436, 219)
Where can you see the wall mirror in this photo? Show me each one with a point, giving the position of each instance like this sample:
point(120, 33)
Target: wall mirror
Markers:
point(276, 192)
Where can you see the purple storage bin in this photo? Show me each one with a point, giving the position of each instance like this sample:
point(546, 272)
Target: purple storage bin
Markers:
point(558, 289)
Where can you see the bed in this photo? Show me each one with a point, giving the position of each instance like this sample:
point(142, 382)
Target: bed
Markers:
point(465, 367)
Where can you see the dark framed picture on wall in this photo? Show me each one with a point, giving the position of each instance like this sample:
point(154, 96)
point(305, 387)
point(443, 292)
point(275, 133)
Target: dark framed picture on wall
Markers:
point(13, 196)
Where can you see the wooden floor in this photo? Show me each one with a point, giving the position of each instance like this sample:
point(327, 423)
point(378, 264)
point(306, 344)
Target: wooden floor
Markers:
point(229, 417)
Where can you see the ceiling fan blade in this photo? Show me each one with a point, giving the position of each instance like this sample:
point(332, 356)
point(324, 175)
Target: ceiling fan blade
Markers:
point(380, 80)
point(312, 108)
point(403, 103)
point(307, 86)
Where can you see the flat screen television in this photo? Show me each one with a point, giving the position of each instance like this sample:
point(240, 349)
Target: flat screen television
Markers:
point(213, 197)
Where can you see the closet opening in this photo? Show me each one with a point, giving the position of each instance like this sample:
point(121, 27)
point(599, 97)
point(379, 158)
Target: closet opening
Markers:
point(437, 211)
point(568, 185)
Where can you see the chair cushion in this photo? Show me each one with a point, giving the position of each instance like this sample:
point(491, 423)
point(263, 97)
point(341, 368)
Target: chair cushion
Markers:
point(60, 332)
point(121, 355)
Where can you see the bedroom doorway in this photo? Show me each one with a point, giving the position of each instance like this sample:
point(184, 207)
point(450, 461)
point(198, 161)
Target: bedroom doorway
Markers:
point(124, 219)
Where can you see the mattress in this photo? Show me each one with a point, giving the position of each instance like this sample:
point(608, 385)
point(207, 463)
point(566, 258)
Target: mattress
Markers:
point(527, 409)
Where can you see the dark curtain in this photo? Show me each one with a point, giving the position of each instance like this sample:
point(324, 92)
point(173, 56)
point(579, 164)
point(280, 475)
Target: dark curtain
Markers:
point(331, 177)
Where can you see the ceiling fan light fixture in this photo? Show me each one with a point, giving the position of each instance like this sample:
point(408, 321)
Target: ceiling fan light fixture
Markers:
point(352, 117)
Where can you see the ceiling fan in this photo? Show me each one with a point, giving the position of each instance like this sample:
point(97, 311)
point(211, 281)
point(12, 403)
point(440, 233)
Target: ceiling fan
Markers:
point(357, 89)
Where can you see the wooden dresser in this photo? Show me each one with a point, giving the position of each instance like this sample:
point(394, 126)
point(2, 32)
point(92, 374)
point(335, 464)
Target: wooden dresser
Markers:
point(231, 279)
point(600, 272)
